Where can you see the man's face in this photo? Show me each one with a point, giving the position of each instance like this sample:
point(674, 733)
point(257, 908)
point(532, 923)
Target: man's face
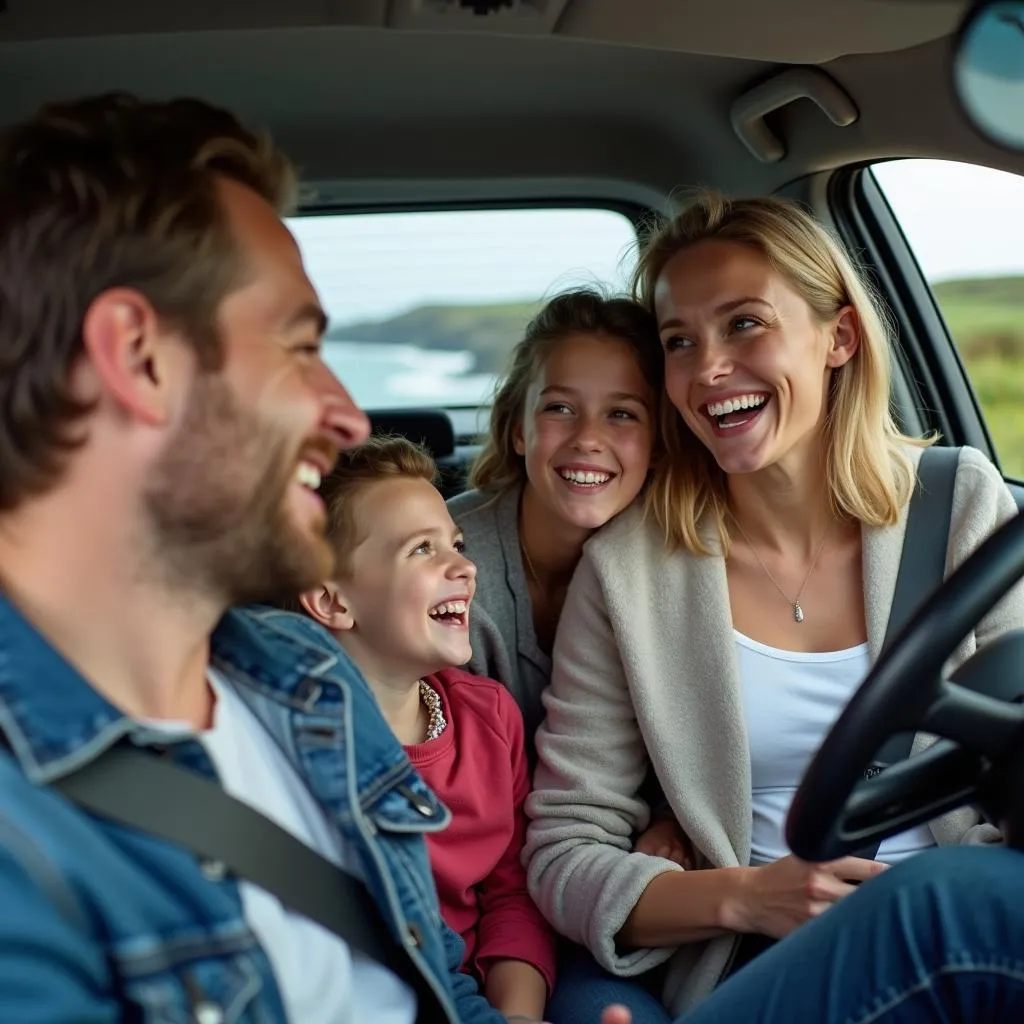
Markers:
point(232, 501)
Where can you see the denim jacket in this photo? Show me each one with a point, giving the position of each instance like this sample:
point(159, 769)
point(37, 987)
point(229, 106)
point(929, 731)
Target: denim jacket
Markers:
point(101, 923)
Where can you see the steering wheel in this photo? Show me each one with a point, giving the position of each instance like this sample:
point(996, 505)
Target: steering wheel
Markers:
point(979, 757)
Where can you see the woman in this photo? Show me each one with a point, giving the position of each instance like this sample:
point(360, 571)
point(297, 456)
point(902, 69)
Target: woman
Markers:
point(717, 637)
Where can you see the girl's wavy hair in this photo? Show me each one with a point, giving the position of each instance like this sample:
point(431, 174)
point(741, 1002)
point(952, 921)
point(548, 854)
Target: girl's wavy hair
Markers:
point(869, 475)
point(498, 468)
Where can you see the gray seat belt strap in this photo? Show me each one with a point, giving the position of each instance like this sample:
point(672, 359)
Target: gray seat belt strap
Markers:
point(922, 568)
point(144, 791)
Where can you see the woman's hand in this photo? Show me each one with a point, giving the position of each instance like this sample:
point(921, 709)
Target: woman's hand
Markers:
point(664, 838)
point(777, 898)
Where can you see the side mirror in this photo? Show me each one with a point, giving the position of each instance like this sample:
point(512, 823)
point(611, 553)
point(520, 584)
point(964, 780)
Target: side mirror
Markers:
point(988, 70)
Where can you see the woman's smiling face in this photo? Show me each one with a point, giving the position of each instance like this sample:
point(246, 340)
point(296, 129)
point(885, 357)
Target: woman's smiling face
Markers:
point(747, 362)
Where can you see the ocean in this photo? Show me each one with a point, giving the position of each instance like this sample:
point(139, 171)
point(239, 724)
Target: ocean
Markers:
point(395, 376)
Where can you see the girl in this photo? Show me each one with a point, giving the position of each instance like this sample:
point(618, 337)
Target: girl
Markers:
point(569, 446)
point(572, 432)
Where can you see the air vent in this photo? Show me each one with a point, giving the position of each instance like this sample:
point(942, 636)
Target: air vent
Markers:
point(535, 17)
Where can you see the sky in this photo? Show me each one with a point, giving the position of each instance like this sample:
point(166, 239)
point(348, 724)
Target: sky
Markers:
point(960, 220)
point(372, 266)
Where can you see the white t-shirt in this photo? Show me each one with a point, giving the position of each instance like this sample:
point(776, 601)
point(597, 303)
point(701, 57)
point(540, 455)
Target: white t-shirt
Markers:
point(791, 700)
point(322, 981)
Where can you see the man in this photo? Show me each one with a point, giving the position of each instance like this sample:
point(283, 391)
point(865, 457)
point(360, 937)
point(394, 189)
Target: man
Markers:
point(165, 418)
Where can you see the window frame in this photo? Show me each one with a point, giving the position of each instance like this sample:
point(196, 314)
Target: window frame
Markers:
point(634, 212)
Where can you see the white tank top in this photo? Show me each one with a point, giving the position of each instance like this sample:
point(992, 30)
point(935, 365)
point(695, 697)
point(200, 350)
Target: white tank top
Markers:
point(790, 701)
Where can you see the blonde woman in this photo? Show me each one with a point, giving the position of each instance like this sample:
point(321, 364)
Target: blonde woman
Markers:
point(716, 635)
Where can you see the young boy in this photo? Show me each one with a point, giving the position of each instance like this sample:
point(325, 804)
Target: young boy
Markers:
point(399, 603)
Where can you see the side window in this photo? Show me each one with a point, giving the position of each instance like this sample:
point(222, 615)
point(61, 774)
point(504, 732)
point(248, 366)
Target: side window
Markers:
point(965, 226)
point(425, 307)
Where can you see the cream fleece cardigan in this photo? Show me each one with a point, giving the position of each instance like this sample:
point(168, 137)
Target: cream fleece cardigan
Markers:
point(645, 667)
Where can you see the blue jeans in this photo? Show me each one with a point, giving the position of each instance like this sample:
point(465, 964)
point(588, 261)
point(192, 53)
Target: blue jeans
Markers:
point(935, 940)
point(584, 989)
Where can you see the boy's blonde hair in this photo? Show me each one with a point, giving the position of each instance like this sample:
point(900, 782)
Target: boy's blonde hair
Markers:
point(380, 457)
point(869, 476)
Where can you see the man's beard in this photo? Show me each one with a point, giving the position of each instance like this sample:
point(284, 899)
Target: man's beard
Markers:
point(217, 508)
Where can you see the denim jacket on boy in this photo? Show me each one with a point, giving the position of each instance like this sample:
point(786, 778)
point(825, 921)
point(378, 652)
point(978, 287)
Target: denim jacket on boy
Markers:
point(100, 923)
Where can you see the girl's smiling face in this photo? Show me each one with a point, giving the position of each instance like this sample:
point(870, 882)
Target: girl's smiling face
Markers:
point(587, 430)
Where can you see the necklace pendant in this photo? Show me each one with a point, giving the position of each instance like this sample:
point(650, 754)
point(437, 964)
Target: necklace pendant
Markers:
point(798, 612)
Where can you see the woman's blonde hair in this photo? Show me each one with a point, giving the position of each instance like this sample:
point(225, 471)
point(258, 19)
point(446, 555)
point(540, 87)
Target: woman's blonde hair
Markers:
point(499, 468)
point(869, 475)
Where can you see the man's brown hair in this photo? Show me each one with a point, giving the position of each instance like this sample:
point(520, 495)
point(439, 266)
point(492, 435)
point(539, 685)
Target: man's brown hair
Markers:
point(102, 193)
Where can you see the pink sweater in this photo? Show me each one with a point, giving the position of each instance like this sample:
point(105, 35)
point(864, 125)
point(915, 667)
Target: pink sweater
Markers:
point(477, 766)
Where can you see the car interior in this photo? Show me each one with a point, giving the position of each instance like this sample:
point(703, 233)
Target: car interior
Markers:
point(402, 105)
point(452, 108)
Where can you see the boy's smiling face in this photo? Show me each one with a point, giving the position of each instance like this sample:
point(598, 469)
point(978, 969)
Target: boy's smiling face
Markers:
point(408, 585)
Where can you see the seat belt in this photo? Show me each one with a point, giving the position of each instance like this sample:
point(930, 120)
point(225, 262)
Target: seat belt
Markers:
point(921, 572)
point(148, 792)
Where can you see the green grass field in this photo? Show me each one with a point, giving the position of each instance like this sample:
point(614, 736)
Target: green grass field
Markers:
point(986, 319)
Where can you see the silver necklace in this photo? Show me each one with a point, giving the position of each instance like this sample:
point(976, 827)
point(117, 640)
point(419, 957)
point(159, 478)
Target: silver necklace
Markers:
point(798, 611)
point(529, 564)
point(436, 723)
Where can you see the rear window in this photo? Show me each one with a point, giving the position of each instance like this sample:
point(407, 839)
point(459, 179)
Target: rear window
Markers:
point(425, 307)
